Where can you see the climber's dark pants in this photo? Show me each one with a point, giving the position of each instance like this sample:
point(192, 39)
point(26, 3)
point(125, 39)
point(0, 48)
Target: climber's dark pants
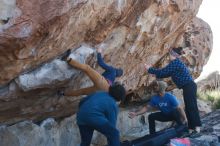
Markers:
point(110, 132)
point(159, 116)
point(191, 108)
point(100, 83)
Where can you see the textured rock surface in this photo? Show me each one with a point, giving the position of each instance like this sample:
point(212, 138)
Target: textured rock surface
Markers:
point(52, 73)
point(65, 132)
point(34, 34)
point(210, 132)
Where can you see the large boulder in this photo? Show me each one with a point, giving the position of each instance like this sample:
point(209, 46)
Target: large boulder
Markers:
point(34, 34)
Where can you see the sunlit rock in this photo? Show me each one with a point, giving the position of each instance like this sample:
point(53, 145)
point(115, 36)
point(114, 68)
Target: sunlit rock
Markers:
point(34, 34)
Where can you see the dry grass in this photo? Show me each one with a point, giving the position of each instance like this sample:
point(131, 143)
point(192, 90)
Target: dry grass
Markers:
point(211, 95)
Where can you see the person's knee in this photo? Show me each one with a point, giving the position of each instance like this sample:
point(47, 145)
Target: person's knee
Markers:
point(175, 112)
point(86, 67)
point(150, 117)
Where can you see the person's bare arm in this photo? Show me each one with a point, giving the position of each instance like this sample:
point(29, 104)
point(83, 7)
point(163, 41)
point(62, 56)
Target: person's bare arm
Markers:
point(99, 50)
point(140, 112)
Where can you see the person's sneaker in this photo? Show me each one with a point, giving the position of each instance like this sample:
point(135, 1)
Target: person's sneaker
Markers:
point(185, 134)
point(195, 134)
point(198, 129)
point(191, 131)
point(66, 55)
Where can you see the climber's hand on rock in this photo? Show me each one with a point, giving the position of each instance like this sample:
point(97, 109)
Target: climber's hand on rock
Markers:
point(146, 66)
point(99, 50)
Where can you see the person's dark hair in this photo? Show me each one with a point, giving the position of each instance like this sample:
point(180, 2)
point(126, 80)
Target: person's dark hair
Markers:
point(119, 72)
point(178, 50)
point(154, 85)
point(117, 91)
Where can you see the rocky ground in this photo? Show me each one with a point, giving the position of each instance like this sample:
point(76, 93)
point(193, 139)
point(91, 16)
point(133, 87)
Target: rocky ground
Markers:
point(210, 132)
point(65, 132)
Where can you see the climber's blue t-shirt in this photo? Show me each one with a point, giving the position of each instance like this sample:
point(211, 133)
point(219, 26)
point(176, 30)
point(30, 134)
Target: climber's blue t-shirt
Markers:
point(98, 109)
point(165, 104)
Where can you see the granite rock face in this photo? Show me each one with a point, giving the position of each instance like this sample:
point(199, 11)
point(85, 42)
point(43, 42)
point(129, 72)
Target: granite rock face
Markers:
point(53, 133)
point(34, 34)
point(65, 132)
point(53, 72)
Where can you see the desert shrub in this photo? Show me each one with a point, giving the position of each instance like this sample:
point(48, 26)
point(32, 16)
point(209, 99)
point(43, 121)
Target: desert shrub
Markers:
point(211, 95)
point(217, 104)
point(210, 98)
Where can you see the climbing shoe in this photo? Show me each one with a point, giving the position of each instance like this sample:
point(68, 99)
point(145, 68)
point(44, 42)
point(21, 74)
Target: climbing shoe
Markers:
point(66, 55)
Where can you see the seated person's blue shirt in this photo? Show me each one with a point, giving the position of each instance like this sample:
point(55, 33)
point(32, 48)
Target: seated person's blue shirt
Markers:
point(165, 104)
point(97, 109)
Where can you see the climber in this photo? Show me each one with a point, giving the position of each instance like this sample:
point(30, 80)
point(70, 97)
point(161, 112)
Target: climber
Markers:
point(169, 106)
point(101, 82)
point(180, 75)
point(98, 111)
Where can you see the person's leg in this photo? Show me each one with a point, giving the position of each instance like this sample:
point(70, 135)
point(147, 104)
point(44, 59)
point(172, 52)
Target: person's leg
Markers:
point(83, 91)
point(111, 133)
point(191, 108)
point(86, 133)
point(158, 116)
point(176, 116)
point(98, 80)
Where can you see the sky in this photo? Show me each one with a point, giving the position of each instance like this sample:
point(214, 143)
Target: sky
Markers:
point(209, 11)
